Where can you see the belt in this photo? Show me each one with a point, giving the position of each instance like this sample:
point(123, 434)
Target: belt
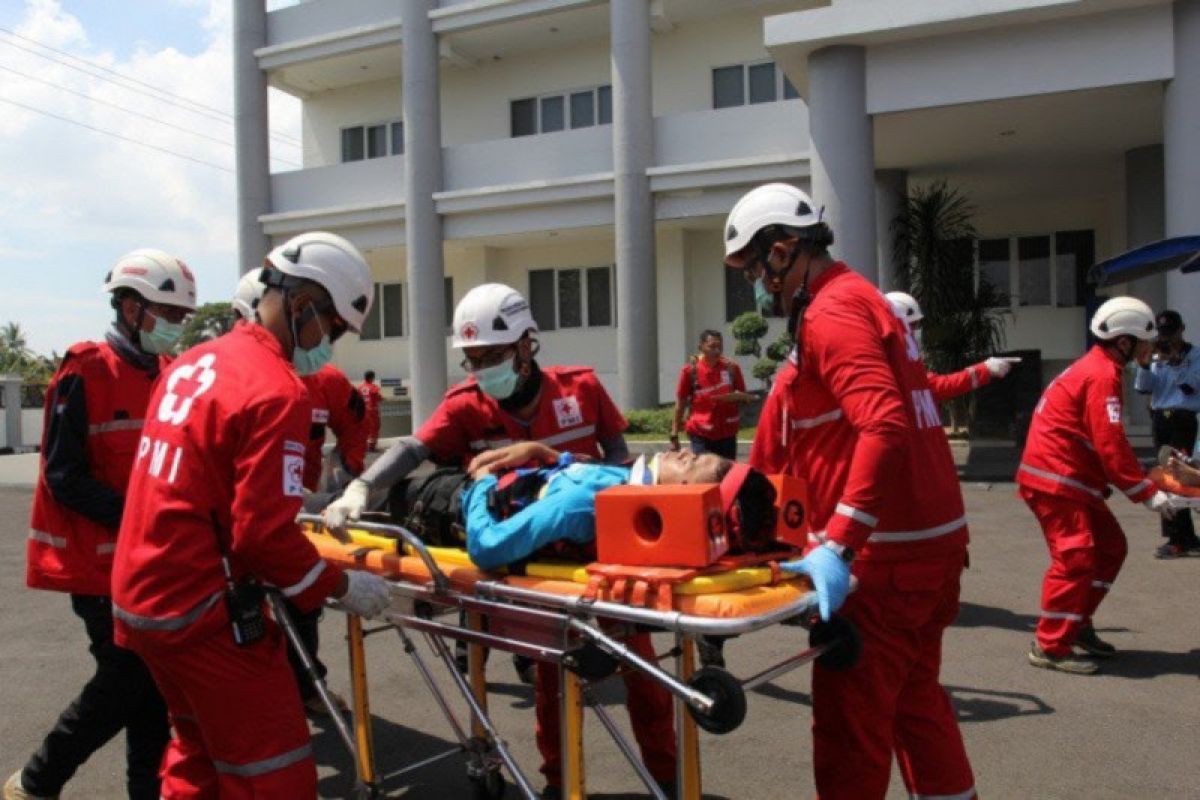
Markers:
point(1167, 413)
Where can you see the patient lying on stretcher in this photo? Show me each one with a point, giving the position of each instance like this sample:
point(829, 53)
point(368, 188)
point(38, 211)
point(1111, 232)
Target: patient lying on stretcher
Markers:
point(512, 510)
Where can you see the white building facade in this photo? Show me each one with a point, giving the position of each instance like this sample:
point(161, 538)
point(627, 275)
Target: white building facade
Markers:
point(586, 152)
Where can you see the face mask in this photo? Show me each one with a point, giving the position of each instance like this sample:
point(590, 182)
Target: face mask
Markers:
point(499, 381)
point(309, 361)
point(763, 300)
point(162, 337)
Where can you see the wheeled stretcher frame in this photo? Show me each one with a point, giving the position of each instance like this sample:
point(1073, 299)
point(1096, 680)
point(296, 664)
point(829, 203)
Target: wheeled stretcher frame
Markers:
point(575, 634)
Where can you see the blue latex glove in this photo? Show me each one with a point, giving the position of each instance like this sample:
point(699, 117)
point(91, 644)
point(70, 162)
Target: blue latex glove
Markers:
point(830, 576)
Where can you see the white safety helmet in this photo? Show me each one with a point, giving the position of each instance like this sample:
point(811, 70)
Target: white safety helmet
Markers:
point(492, 314)
point(156, 276)
point(906, 306)
point(249, 291)
point(766, 205)
point(331, 261)
point(1124, 316)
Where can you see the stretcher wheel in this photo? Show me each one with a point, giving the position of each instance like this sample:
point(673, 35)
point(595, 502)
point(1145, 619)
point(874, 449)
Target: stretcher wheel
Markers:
point(847, 644)
point(489, 786)
point(590, 662)
point(729, 700)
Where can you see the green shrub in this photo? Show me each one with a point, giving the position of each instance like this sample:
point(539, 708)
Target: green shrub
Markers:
point(764, 369)
point(650, 420)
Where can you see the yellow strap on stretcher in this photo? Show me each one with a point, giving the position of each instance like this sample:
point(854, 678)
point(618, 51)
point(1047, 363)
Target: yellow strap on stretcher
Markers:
point(731, 581)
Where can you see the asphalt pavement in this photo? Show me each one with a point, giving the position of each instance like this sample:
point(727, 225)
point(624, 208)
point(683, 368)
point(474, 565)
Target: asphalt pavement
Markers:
point(1131, 732)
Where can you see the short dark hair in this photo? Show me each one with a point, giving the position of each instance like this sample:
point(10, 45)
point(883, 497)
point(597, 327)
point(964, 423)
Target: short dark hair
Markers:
point(1170, 320)
point(369, 375)
point(817, 239)
point(709, 333)
point(755, 506)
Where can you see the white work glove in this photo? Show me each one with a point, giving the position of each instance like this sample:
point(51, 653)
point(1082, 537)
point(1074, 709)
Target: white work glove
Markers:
point(347, 508)
point(366, 593)
point(1162, 503)
point(1000, 366)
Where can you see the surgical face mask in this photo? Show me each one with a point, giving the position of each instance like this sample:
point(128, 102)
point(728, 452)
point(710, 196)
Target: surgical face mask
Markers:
point(763, 300)
point(162, 337)
point(499, 381)
point(309, 361)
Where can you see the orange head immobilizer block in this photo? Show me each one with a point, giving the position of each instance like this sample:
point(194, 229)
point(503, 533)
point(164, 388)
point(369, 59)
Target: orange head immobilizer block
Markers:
point(678, 525)
point(791, 507)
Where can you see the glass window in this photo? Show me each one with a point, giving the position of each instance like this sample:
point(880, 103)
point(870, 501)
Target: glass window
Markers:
point(728, 90)
point(599, 296)
point(524, 117)
point(352, 144)
point(393, 309)
point(541, 298)
point(1075, 253)
point(789, 91)
point(583, 109)
point(570, 299)
point(604, 102)
point(370, 327)
point(397, 138)
point(739, 294)
point(377, 145)
point(993, 268)
point(762, 83)
point(1033, 270)
point(553, 114)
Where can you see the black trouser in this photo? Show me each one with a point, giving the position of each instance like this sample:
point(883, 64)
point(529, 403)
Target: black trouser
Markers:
point(725, 448)
point(308, 626)
point(121, 695)
point(1177, 429)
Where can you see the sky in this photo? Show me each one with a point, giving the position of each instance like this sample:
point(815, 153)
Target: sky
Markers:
point(75, 198)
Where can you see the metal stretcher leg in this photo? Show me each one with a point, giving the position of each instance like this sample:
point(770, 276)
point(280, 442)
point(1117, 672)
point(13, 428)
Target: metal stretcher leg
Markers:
point(365, 750)
point(623, 745)
point(477, 672)
point(687, 747)
point(571, 714)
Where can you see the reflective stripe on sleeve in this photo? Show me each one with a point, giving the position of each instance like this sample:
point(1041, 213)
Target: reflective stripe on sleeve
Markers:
point(856, 514)
point(1063, 479)
point(892, 537)
point(104, 548)
point(1062, 615)
point(115, 425)
point(48, 538)
point(812, 422)
point(568, 436)
point(1101, 585)
point(262, 767)
point(489, 444)
point(165, 623)
point(1137, 487)
point(967, 795)
point(974, 378)
point(308, 580)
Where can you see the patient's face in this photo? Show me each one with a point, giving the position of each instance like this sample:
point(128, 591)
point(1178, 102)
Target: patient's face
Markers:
point(684, 466)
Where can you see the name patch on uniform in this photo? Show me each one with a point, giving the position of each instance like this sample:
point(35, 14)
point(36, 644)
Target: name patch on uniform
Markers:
point(567, 412)
point(320, 415)
point(1113, 404)
point(290, 446)
point(293, 476)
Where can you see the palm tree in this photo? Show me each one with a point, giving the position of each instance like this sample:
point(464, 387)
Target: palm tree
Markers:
point(934, 239)
point(15, 354)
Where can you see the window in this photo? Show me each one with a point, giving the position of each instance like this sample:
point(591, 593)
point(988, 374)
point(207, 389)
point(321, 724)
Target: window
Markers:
point(584, 108)
point(743, 84)
point(571, 298)
point(386, 318)
point(376, 140)
point(1047, 269)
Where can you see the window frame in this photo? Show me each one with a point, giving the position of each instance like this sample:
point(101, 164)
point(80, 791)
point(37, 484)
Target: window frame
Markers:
point(780, 84)
point(565, 96)
point(584, 295)
point(362, 128)
point(1014, 266)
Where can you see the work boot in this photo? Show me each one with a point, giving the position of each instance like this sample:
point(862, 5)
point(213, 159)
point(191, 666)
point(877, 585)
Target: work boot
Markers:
point(15, 790)
point(526, 669)
point(1093, 645)
point(1070, 663)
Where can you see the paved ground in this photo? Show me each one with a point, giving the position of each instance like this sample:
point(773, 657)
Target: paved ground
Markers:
point(1131, 732)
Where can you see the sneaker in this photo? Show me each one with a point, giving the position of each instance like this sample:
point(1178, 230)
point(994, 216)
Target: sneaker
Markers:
point(316, 706)
point(15, 790)
point(551, 792)
point(526, 669)
point(1071, 663)
point(1093, 645)
point(1170, 551)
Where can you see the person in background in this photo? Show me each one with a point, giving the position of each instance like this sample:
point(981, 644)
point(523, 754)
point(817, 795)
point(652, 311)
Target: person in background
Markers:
point(713, 387)
point(1171, 376)
point(95, 406)
point(372, 397)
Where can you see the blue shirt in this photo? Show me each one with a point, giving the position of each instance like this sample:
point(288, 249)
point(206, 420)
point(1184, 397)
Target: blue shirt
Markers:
point(1164, 382)
point(565, 510)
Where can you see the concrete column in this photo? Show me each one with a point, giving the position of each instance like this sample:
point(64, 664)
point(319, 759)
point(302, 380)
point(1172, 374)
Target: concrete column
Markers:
point(250, 132)
point(11, 386)
point(843, 152)
point(423, 226)
point(674, 324)
point(633, 153)
point(1181, 153)
point(891, 189)
point(1144, 221)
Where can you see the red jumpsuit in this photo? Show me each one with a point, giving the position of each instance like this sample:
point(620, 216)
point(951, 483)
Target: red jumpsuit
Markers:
point(219, 468)
point(574, 414)
point(865, 433)
point(698, 383)
point(336, 404)
point(1076, 448)
point(372, 397)
point(956, 384)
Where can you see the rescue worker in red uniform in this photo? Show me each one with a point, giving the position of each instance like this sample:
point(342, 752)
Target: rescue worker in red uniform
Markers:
point(713, 387)
point(216, 485)
point(372, 397)
point(94, 409)
point(1076, 448)
point(507, 398)
point(883, 494)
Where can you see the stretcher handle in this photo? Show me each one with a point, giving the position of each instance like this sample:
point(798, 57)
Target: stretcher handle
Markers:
point(440, 582)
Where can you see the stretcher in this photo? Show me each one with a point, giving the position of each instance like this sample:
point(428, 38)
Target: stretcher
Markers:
point(565, 615)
